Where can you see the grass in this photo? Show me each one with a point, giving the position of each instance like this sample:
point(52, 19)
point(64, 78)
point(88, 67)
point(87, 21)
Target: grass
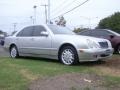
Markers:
point(112, 82)
point(16, 74)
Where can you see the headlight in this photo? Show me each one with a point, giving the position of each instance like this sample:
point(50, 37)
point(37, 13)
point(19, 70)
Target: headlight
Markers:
point(92, 44)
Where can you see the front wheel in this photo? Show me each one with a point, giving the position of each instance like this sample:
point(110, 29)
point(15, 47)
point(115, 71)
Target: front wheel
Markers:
point(68, 55)
point(14, 52)
point(118, 49)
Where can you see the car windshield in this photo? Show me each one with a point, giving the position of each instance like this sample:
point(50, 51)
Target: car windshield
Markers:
point(60, 30)
point(115, 33)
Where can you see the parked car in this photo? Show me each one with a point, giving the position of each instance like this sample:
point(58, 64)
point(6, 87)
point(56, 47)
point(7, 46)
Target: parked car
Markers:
point(55, 42)
point(2, 41)
point(112, 36)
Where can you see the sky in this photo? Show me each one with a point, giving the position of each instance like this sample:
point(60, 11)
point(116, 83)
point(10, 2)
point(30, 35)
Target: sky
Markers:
point(87, 15)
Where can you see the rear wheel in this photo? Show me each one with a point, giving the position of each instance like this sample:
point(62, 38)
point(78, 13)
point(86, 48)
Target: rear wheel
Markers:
point(14, 52)
point(68, 55)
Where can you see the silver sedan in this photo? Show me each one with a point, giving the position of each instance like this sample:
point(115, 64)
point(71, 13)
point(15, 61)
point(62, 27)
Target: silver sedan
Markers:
point(55, 42)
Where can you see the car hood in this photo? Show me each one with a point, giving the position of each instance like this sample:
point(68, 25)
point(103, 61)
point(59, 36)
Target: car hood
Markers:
point(79, 38)
point(78, 41)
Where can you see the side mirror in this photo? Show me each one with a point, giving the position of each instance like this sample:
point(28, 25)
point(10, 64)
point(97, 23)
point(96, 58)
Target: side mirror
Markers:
point(111, 36)
point(44, 33)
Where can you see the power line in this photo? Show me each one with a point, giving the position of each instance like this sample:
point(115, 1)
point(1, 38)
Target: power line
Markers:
point(72, 9)
point(65, 5)
point(59, 5)
point(14, 16)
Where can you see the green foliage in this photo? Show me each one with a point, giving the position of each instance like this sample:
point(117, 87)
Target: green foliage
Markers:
point(111, 81)
point(1, 32)
point(77, 30)
point(112, 22)
point(16, 74)
point(61, 21)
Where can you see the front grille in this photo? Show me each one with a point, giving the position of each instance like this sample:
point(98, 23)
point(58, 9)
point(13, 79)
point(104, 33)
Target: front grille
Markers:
point(103, 44)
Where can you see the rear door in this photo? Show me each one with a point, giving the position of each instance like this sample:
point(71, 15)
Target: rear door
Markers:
point(24, 40)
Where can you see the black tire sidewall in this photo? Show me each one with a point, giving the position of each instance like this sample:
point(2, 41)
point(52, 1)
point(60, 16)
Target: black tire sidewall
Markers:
point(118, 49)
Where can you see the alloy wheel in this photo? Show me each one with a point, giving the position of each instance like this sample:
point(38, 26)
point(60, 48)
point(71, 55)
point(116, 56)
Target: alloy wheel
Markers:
point(13, 52)
point(67, 56)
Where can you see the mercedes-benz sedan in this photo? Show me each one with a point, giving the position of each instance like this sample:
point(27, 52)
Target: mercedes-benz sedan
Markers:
point(55, 42)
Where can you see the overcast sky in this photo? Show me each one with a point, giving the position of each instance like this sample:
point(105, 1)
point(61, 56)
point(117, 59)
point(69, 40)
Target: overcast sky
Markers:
point(88, 15)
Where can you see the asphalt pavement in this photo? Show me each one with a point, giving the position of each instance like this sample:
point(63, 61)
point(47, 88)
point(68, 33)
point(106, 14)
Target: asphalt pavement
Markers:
point(3, 53)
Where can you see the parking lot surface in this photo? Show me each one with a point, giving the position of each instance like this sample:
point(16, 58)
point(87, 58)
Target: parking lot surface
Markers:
point(3, 53)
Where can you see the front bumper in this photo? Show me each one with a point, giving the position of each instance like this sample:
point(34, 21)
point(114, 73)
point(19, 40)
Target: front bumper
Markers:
point(94, 54)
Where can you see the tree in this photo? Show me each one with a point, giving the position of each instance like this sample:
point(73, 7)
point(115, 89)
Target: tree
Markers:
point(77, 30)
point(111, 22)
point(1, 32)
point(61, 21)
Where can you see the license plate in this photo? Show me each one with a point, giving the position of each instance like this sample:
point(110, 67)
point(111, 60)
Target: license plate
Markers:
point(108, 51)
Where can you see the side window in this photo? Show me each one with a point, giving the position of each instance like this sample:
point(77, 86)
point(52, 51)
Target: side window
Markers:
point(37, 30)
point(100, 33)
point(86, 33)
point(26, 32)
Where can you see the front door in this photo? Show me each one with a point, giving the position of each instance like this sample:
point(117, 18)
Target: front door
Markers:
point(41, 44)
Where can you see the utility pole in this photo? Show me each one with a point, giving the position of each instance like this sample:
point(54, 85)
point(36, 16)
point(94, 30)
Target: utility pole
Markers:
point(14, 25)
point(32, 20)
point(48, 11)
point(45, 13)
point(34, 7)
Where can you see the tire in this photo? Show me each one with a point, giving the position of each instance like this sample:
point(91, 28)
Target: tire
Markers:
point(118, 49)
point(68, 55)
point(14, 52)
